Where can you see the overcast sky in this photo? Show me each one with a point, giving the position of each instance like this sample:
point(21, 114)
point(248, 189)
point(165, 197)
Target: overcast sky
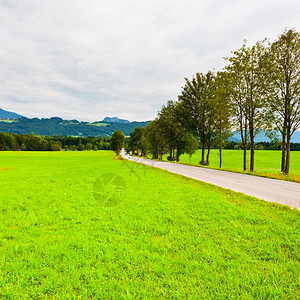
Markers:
point(89, 59)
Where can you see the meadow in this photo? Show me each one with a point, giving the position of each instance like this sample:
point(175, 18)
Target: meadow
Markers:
point(81, 225)
point(267, 162)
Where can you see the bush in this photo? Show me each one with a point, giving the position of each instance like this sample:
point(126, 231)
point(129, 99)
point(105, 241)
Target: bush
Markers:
point(55, 146)
point(80, 147)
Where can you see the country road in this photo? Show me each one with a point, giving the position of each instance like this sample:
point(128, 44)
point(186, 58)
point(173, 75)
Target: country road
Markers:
point(271, 190)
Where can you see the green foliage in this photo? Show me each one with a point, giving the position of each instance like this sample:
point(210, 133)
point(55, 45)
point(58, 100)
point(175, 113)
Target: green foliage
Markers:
point(89, 146)
point(72, 148)
point(191, 144)
point(135, 142)
point(80, 147)
point(248, 95)
point(282, 74)
point(55, 146)
point(117, 141)
point(155, 139)
point(171, 237)
point(258, 89)
point(37, 143)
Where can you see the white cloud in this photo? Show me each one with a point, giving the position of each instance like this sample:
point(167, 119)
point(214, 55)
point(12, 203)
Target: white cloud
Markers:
point(89, 59)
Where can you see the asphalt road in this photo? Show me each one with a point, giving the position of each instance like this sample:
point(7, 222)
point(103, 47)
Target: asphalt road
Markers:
point(271, 190)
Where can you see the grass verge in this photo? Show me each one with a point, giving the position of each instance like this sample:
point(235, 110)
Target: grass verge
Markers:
point(267, 163)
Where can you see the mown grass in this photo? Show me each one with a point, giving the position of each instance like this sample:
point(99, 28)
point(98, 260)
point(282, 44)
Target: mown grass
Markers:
point(267, 162)
point(167, 236)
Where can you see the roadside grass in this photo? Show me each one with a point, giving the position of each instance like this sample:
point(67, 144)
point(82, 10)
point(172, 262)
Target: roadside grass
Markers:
point(169, 237)
point(267, 162)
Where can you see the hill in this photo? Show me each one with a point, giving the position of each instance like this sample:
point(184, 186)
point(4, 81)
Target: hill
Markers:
point(57, 126)
point(4, 114)
point(115, 120)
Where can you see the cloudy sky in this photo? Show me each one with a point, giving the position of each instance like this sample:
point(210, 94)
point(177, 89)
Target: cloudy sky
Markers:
point(95, 58)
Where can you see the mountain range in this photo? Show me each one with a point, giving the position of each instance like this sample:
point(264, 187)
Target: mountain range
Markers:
point(4, 114)
point(11, 122)
point(14, 123)
point(115, 120)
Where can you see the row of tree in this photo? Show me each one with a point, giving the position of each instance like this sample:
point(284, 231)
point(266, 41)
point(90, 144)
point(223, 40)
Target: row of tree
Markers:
point(32, 142)
point(258, 89)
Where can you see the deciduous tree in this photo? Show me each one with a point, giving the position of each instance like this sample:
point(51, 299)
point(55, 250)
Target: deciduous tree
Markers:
point(117, 141)
point(283, 75)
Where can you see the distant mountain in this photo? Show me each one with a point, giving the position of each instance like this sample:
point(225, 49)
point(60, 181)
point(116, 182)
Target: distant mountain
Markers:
point(4, 114)
point(234, 139)
point(115, 120)
point(58, 127)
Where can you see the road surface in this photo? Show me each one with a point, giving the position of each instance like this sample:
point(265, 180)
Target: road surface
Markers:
point(271, 190)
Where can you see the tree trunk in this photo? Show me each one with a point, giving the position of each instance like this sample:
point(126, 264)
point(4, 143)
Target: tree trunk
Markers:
point(220, 147)
point(288, 148)
point(171, 152)
point(207, 156)
point(244, 139)
point(283, 148)
point(177, 154)
point(203, 152)
point(283, 152)
point(251, 132)
point(245, 157)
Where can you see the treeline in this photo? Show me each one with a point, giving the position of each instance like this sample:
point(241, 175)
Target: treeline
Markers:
point(32, 142)
point(258, 89)
point(261, 146)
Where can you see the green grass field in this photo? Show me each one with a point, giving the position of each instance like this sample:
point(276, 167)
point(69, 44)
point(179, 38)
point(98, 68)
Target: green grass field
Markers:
point(7, 121)
point(98, 124)
point(157, 235)
point(267, 162)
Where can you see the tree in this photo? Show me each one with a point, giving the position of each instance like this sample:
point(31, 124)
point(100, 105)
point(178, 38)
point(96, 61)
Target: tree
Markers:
point(72, 148)
point(117, 141)
point(283, 74)
point(135, 141)
point(191, 144)
point(89, 146)
point(80, 147)
point(55, 146)
point(23, 147)
point(196, 109)
point(169, 126)
point(155, 139)
point(246, 70)
point(172, 130)
point(222, 110)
